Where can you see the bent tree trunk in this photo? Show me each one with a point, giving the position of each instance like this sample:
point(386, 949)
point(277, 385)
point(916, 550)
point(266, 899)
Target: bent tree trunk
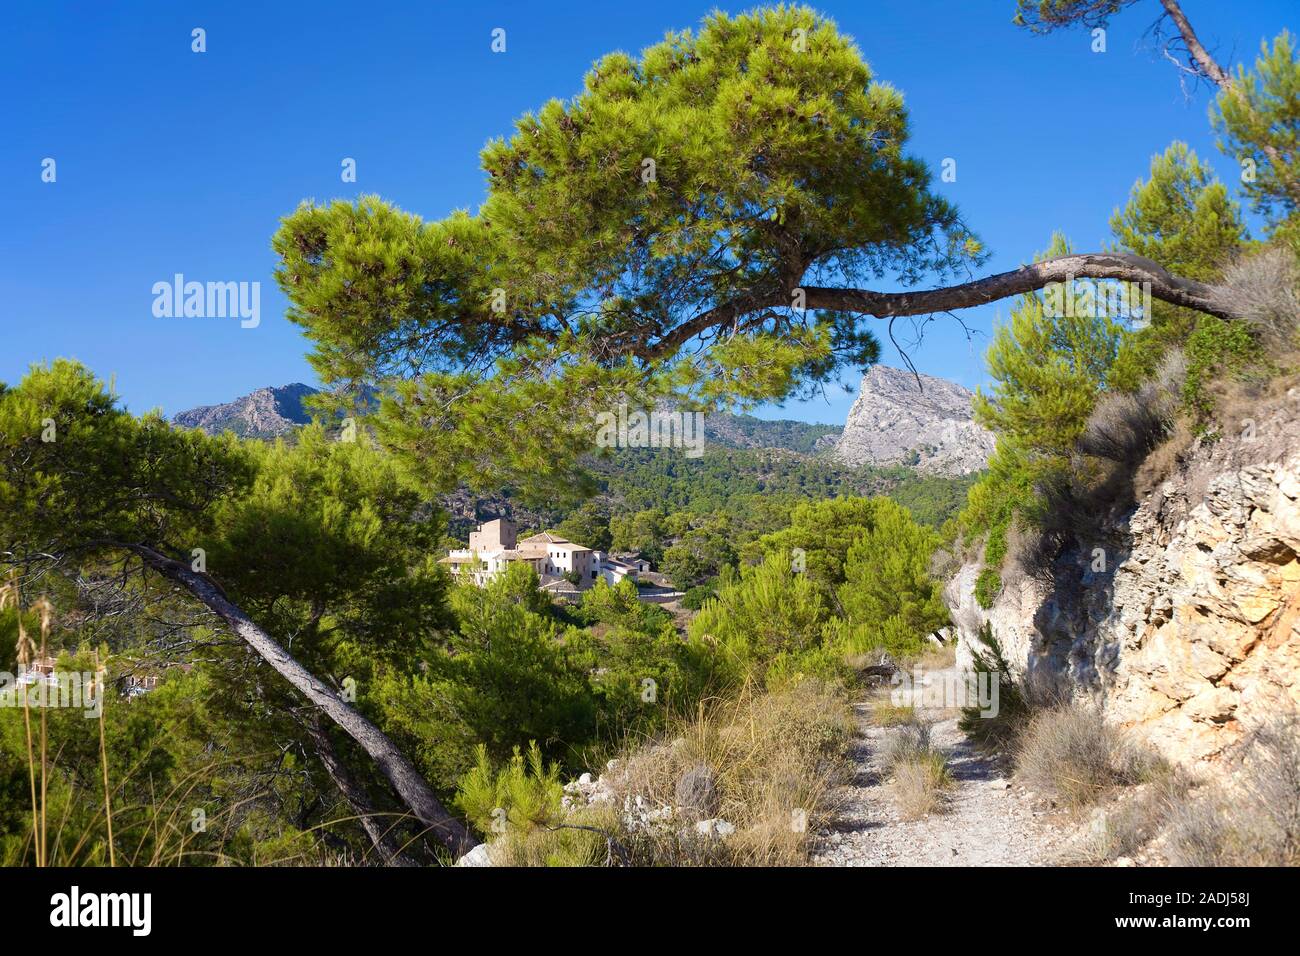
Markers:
point(401, 773)
point(1120, 266)
point(354, 793)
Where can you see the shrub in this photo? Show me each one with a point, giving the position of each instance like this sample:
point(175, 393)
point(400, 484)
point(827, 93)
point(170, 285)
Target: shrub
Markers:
point(1262, 291)
point(1132, 823)
point(987, 587)
point(1124, 427)
point(1255, 823)
point(904, 744)
point(773, 761)
point(918, 772)
point(1071, 751)
point(695, 597)
point(889, 715)
point(769, 610)
point(920, 786)
point(1000, 731)
point(1216, 349)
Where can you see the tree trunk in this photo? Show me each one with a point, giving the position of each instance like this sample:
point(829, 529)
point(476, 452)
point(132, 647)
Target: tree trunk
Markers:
point(354, 793)
point(1207, 64)
point(1222, 79)
point(1121, 266)
point(401, 773)
point(885, 305)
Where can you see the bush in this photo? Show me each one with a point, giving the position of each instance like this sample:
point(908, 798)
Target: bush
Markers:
point(920, 786)
point(1132, 823)
point(1262, 290)
point(918, 772)
point(999, 732)
point(987, 587)
point(768, 611)
point(1071, 751)
point(1255, 823)
point(773, 762)
point(695, 597)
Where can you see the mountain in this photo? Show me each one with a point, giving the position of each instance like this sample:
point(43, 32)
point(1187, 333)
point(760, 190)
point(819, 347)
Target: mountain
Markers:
point(891, 423)
point(929, 427)
point(745, 431)
point(272, 412)
point(266, 413)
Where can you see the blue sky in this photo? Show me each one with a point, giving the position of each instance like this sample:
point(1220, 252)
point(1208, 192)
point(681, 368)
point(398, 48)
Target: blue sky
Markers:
point(170, 161)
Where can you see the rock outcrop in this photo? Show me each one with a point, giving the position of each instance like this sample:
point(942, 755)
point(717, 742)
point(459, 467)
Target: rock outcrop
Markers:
point(265, 413)
point(1190, 633)
point(929, 427)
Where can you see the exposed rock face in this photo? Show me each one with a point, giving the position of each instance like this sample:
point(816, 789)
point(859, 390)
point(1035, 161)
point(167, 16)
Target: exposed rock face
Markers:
point(1192, 635)
point(893, 422)
point(266, 413)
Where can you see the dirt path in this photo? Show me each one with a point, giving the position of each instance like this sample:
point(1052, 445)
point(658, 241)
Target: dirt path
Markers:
point(988, 822)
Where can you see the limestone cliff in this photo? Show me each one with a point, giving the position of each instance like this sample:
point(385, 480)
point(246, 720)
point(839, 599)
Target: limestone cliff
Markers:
point(930, 425)
point(1191, 634)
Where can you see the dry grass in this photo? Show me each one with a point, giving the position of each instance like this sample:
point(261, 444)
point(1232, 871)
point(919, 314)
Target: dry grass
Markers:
point(775, 761)
point(1264, 291)
point(935, 658)
point(1132, 822)
point(918, 773)
point(1072, 752)
point(920, 786)
point(1253, 822)
point(1164, 459)
point(885, 714)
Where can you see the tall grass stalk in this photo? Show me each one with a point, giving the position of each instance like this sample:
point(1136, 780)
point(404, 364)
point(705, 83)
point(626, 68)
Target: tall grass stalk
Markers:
point(100, 692)
point(46, 610)
point(9, 597)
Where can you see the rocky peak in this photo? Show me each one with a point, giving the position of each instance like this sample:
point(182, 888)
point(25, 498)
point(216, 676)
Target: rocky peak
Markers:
point(930, 425)
point(265, 413)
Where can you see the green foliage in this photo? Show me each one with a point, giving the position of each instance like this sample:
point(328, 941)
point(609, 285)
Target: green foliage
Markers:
point(995, 731)
point(640, 677)
point(619, 606)
point(887, 578)
point(699, 553)
point(1216, 350)
point(503, 677)
point(330, 545)
point(1048, 364)
point(641, 533)
point(523, 794)
point(1044, 16)
point(589, 525)
point(1257, 119)
point(695, 597)
point(704, 178)
point(74, 468)
point(873, 592)
point(820, 534)
point(1181, 217)
point(988, 585)
point(756, 489)
point(768, 611)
